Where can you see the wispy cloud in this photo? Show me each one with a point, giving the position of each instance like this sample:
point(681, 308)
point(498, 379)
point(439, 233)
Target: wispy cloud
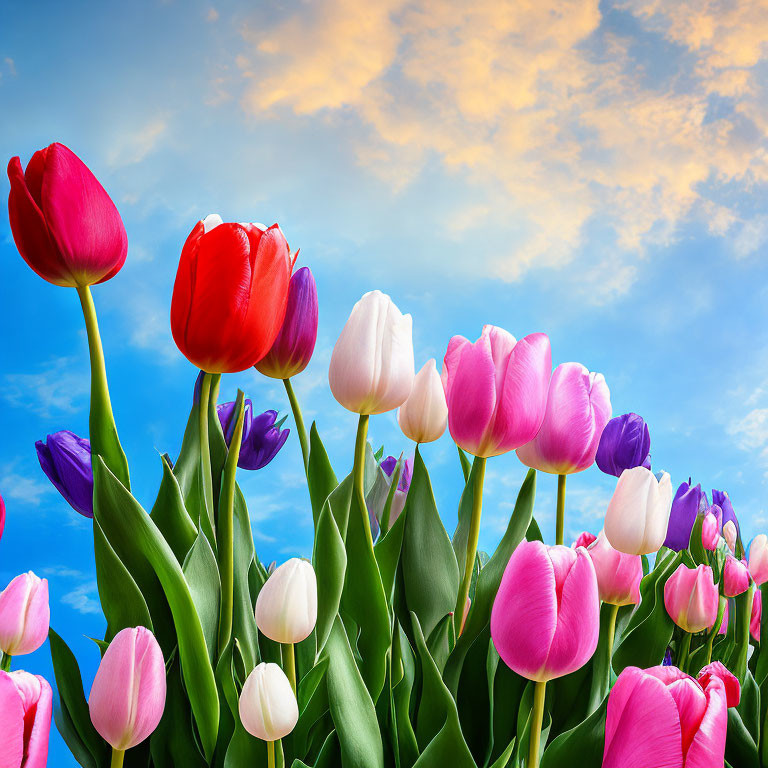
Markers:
point(60, 386)
point(23, 487)
point(134, 144)
point(82, 593)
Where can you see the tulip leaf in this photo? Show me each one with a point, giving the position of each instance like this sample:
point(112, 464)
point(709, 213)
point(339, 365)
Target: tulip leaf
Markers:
point(466, 464)
point(582, 745)
point(202, 575)
point(524, 717)
point(402, 691)
point(761, 665)
point(695, 544)
point(170, 515)
point(123, 519)
point(737, 661)
point(743, 734)
point(321, 478)
point(313, 704)
point(387, 551)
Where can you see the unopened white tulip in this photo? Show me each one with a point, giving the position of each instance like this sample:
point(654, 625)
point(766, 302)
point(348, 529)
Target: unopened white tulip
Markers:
point(638, 513)
point(729, 534)
point(286, 608)
point(268, 708)
point(371, 368)
point(424, 415)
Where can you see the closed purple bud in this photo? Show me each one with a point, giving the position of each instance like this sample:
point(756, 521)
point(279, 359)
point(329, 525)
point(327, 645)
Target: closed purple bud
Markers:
point(66, 460)
point(624, 444)
point(723, 500)
point(685, 507)
point(261, 439)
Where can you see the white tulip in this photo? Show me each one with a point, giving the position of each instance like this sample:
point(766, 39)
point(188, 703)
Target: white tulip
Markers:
point(423, 417)
point(268, 708)
point(638, 513)
point(730, 534)
point(286, 608)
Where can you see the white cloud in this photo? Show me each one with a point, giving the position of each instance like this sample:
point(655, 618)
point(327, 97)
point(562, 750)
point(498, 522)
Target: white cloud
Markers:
point(61, 386)
point(752, 429)
point(24, 488)
point(134, 144)
point(83, 596)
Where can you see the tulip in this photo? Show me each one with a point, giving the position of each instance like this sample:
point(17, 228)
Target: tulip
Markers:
point(377, 497)
point(292, 349)
point(685, 507)
point(723, 500)
point(758, 559)
point(25, 720)
point(625, 443)
point(128, 693)
point(691, 599)
point(730, 534)
point(262, 439)
point(735, 577)
point(584, 540)
point(66, 460)
point(724, 623)
point(638, 512)
point(756, 615)
point(578, 408)
point(268, 707)
point(64, 224)
point(663, 717)
point(24, 615)
point(423, 417)
point(230, 294)
point(371, 368)
point(710, 532)
point(618, 574)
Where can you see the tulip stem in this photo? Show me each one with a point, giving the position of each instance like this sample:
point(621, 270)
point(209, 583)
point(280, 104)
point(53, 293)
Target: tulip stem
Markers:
point(685, 649)
point(358, 474)
point(611, 636)
point(205, 447)
point(560, 530)
point(5, 662)
point(716, 627)
point(301, 430)
point(101, 424)
point(226, 548)
point(474, 536)
point(117, 758)
point(270, 754)
point(289, 661)
point(537, 718)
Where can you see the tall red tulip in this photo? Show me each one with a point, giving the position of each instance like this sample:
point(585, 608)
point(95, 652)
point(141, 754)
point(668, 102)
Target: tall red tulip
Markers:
point(230, 294)
point(65, 225)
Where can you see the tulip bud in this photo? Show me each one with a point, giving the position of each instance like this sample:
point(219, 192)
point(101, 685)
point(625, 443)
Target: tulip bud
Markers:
point(376, 499)
point(128, 693)
point(691, 599)
point(723, 500)
point(618, 574)
point(371, 368)
point(545, 619)
point(268, 707)
point(261, 438)
point(624, 444)
point(756, 616)
point(729, 534)
point(66, 460)
point(735, 577)
point(292, 349)
point(584, 540)
point(24, 615)
point(688, 502)
point(578, 408)
point(758, 559)
point(496, 390)
point(64, 224)
point(423, 417)
point(25, 720)
point(286, 608)
point(710, 532)
point(637, 515)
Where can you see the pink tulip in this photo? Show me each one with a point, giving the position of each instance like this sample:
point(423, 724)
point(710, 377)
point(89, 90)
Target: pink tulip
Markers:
point(618, 574)
point(664, 718)
point(724, 623)
point(546, 616)
point(496, 390)
point(735, 577)
point(25, 720)
point(24, 615)
point(710, 532)
point(584, 540)
point(758, 559)
point(730, 534)
point(691, 599)
point(756, 615)
point(578, 408)
point(128, 693)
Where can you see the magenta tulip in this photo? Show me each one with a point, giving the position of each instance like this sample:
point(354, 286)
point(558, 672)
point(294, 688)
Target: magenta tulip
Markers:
point(724, 623)
point(691, 598)
point(618, 574)
point(128, 693)
point(24, 615)
point(546, 616)
point(25, 720)
point(756, 616)
point(584, 540)
point(735, 577)
point(758, 559)
point(578, 408)
point(710, 532)
point(496, 390)
point(664, 718)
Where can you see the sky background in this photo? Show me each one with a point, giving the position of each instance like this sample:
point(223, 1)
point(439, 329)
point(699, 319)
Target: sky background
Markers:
point(597, 171)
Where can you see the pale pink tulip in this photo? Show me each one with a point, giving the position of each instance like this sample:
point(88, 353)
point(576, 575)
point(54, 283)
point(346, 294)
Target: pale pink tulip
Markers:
point(423, 417)
point(691, 598)
point(268, 708)
point(758, 559)
point(25, 720)
point(730, 534)
point(756, 616)
point(618, 574)
point(24, 615)
point(735, 577)
point(710, 532)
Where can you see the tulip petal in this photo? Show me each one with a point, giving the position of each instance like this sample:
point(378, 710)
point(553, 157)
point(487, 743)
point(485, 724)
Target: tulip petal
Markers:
point(691, 706)
point(708, 745)
point(730, 681)
point(37, 697)
point(11, 723)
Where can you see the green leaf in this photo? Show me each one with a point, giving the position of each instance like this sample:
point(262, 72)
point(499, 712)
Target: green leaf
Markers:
point(170, 515)
point(737, 662)
point(202, 575)
point(408, 749)
point(387, 550)
point(524, 722)
point(321, 478)
point(761, 667)
point(581, 746)
point(696, 546)
point(743, 734)
point(313, 704)
point(330, 563)
point(466, 465)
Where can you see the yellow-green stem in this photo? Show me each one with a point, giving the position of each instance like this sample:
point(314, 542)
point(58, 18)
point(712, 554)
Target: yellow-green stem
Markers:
point(117, 758)
point(560, 531)
point(270, 754)
point(685, 650)
point(473, 538)
point(205, 446)
point(289, 662)
point(358, 475)
point(611, 636)
point(301, 430)
point(5, 662)
point(537, 717)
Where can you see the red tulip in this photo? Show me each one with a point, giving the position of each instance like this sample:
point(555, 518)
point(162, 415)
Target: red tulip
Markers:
point(65, 225)
point(230, 294)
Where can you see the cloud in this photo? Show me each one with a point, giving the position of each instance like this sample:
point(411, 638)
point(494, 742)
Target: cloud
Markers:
point(61, 386)
point(752, 430)
point(84, 596)
point(134, 145)
point(22, 487)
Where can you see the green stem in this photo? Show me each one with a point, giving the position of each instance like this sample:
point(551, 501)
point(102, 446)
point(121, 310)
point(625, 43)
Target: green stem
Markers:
point(289, 662)
point(117, 758)
point(205, 446)
point(101, 425)
point(537, 717)
point(301, 430)
point(611, 636)
point(474, 536)
point(226, 526)
point(358, 474)
point(270, 754)
point(685, 650)
point(716, 628)
point(560, 531)
point(5, 662)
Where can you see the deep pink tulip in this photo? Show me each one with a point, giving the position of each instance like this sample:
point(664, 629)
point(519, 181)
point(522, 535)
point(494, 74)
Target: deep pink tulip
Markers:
point(25, 720)
point(710, 532)
point(756, 616)
point(578, 408)
point(691, 599)
point(663, 718)
point(24, 615)
point(128, 693)
point(496, 390)
point(546, 616)
point(584, 540)
point(618, 574)
point(735, 577)
point(724, 623)
point(758, 559)
point(65, 225)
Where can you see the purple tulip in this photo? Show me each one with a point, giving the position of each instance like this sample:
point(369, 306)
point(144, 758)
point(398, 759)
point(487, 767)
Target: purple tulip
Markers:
point(723, 500)
point(624, 444)
point(377, 497)
point(389, 464)
point(66, 459)
point(685, 507)
point(261, 438)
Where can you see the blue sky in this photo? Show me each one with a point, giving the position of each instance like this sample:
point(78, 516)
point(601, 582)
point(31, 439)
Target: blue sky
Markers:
point(594, 171)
